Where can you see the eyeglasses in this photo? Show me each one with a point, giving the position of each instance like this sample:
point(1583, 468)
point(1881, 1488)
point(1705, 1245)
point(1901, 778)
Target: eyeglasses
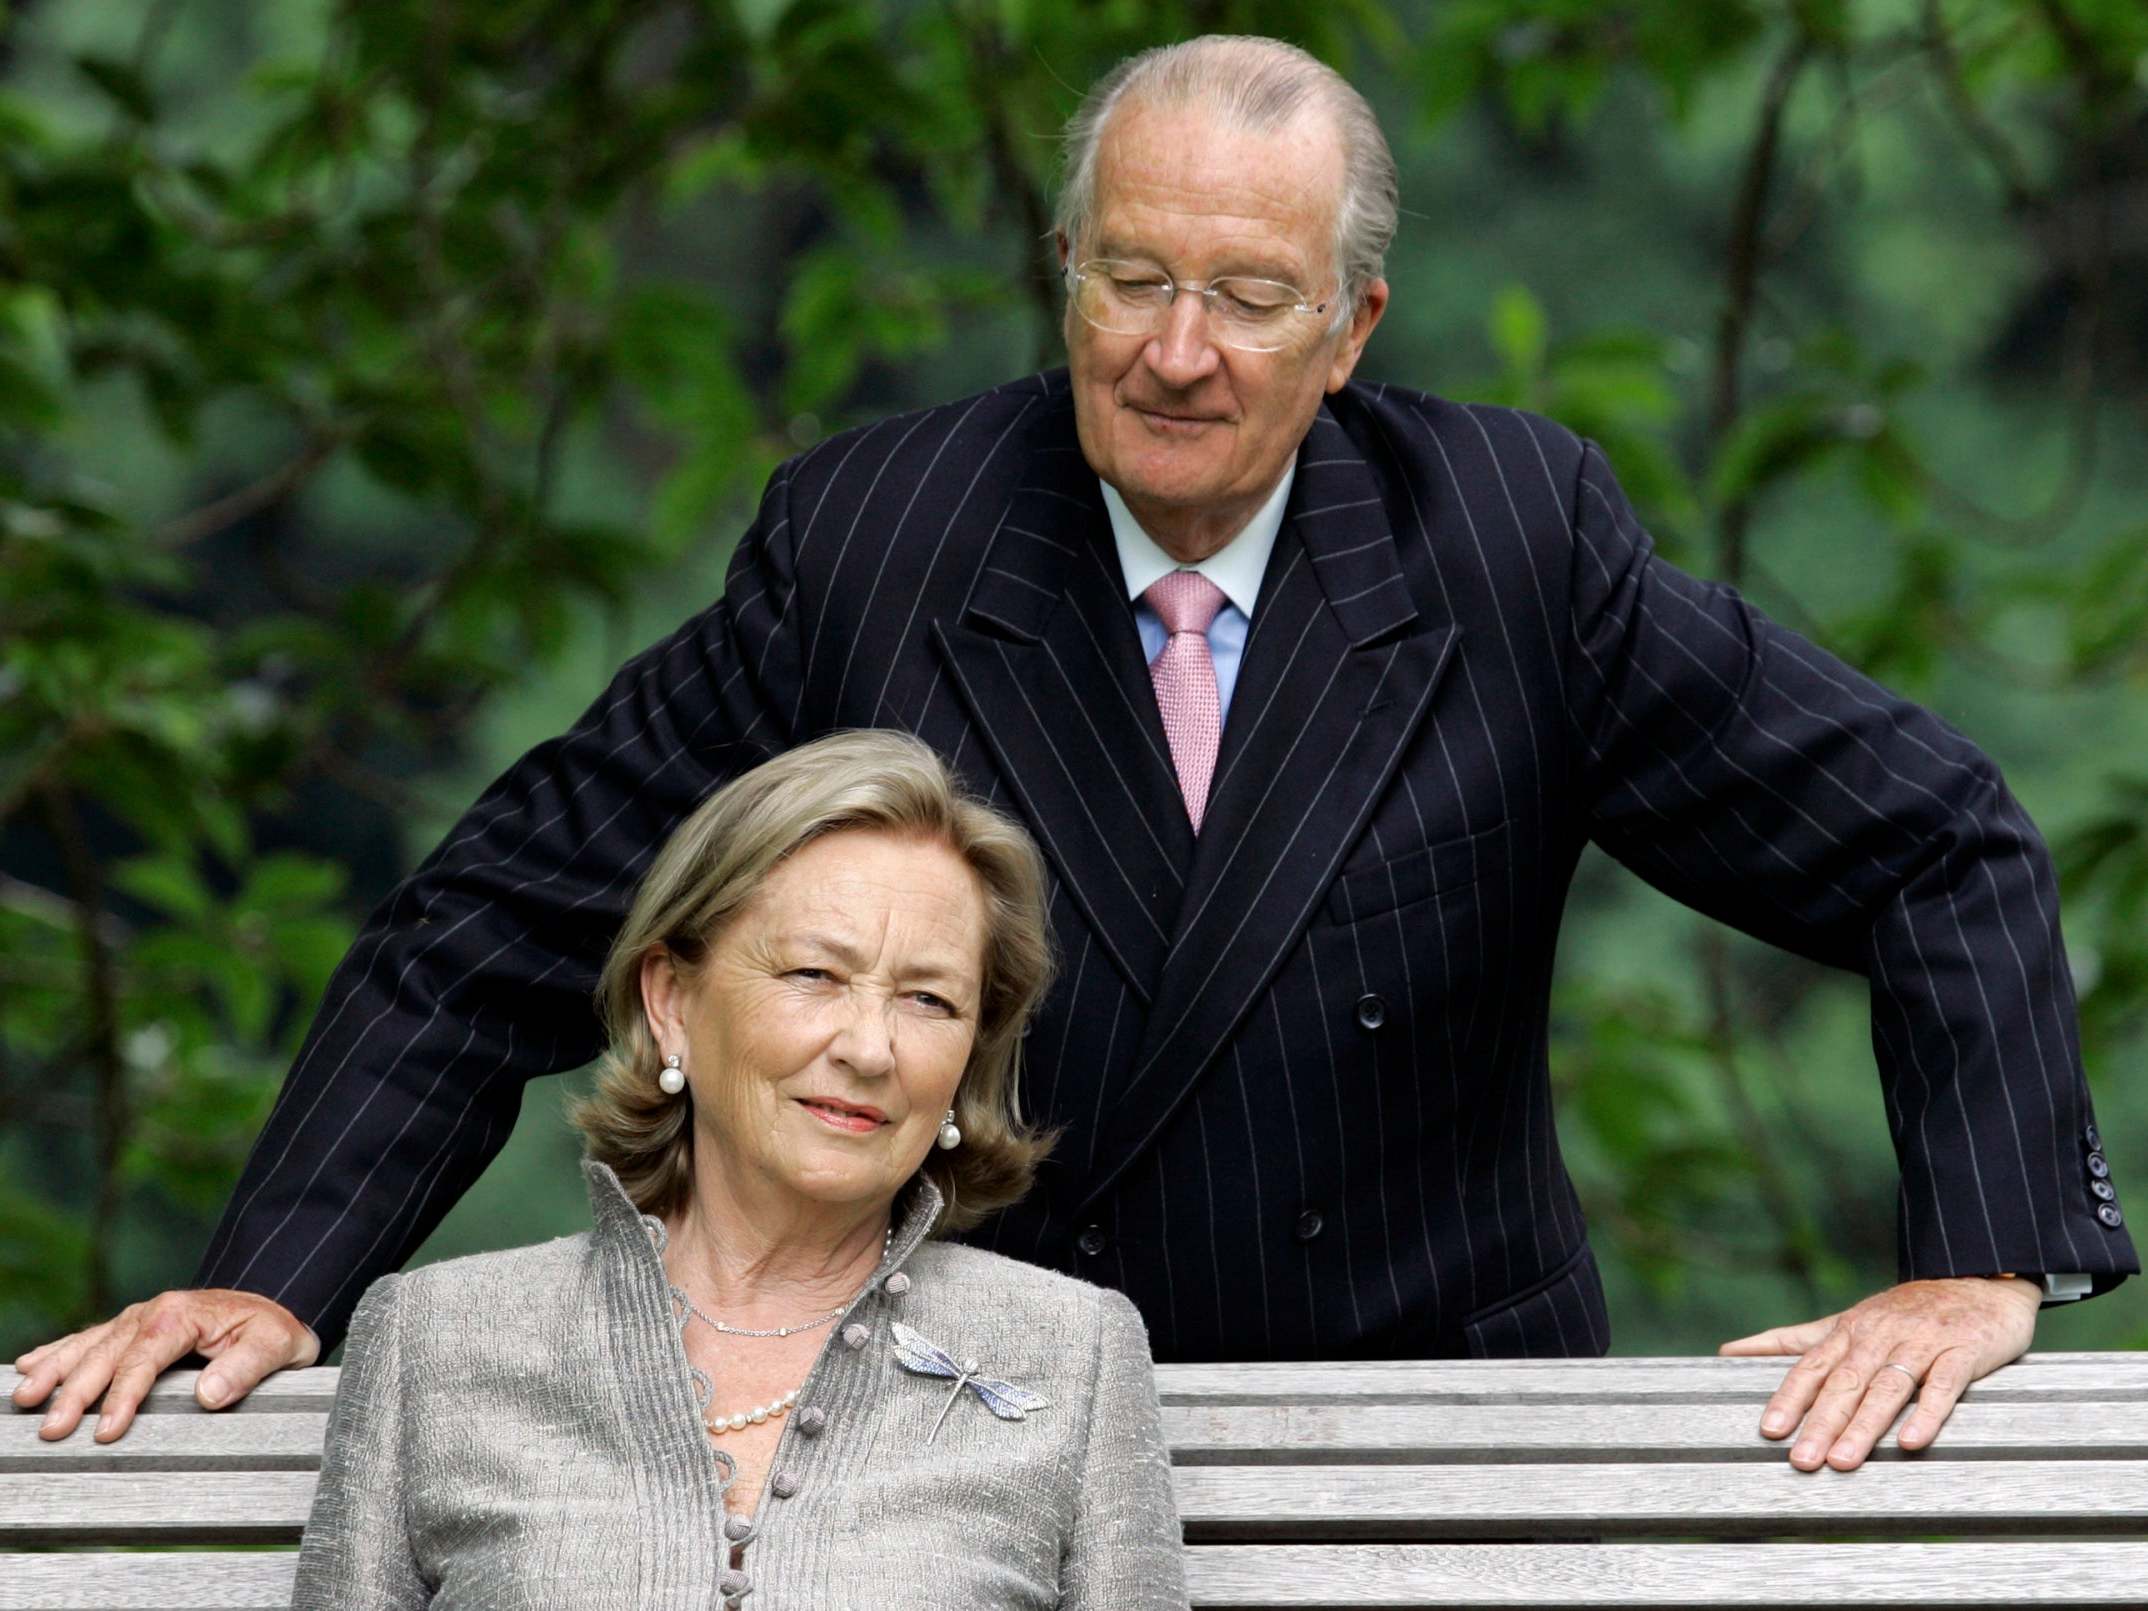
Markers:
point(1133, 299)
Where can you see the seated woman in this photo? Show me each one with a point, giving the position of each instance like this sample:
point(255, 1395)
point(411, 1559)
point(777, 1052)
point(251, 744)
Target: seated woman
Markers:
point(760, 1373)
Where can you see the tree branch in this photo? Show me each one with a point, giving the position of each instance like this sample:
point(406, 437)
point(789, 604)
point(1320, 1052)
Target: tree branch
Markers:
point(1744, 259)
point(252, 499)
point(2006, 163)
point(1017, 193)
point(1793, 1226)
point(100, 991)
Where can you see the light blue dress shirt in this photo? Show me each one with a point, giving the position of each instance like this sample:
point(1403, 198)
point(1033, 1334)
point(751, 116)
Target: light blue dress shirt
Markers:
point(1237, 568)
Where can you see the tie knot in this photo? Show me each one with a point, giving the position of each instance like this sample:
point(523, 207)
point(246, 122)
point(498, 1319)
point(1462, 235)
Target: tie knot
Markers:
point(1185, 601)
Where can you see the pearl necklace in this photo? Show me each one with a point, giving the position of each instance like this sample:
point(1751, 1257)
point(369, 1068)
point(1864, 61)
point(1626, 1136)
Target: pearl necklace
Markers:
point(770, 1411)
point(774, 1409)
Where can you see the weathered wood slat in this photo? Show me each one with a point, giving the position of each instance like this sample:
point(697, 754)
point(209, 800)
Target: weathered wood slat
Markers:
point(1271, 1577)
point(1430, 1434)
point(2115, 1377)
point(2062, 1377)
point(195, 1580)
point(287, 1392)
point(1320, 1577)
point(1413, 1434)
point(1300, 1502)
point(264, 1442)
point(134, 1507)
point(1720, 1500)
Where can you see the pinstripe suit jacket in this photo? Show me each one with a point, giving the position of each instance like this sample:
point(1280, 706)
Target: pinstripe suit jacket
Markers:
point(1301, 1060)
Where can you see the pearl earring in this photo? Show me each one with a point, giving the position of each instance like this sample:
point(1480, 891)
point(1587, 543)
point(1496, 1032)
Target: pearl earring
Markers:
point(672, 1080)
point(950, 1137)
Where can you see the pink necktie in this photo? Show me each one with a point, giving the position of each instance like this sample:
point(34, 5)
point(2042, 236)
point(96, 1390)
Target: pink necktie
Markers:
point(1185, 678)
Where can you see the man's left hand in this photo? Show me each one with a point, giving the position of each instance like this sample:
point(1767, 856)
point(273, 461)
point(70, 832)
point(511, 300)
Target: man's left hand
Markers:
point(1859, 1368)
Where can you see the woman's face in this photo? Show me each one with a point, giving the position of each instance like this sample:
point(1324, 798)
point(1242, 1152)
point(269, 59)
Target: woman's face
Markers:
point(830, 1024)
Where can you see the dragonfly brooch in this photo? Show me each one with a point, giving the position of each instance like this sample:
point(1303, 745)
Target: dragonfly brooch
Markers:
point(1003, 1399)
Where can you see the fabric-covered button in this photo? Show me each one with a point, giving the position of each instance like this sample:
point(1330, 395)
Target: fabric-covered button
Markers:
point(738, 1529)
point(1092, 1240)
point(2097, 1167)
point(812, 1420)
point(856, 1336)
point(784, 1485)
point(1371, 1011)
point(2094, 1138)
point(1310, 1225)
point(896, 1285)
point(2104, 1190)
point(734, 1584)
point(2109, 1214)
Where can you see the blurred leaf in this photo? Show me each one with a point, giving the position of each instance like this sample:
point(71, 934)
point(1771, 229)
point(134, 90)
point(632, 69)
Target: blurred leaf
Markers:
point(1518, 329)
point(286, 882)
point(167, 883)
point(121, 84)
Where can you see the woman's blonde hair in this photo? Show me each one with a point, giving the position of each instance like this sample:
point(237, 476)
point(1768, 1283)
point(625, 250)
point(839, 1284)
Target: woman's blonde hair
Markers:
point(712, 865)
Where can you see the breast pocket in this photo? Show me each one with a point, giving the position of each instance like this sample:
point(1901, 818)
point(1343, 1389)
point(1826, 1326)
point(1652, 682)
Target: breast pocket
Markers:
point(1417, 875)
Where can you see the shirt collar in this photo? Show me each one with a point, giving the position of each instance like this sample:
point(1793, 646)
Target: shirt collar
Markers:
point(620, 1223)
point(1237, 567)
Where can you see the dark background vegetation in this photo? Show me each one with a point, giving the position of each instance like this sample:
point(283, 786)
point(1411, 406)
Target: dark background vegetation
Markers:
point(374, 376)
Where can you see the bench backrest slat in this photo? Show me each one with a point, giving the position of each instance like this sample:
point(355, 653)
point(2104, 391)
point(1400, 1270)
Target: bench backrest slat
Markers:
point(2036, 1378)
point(1405, 1577)
point(1258, 1577)
point(1394, 1503)
point(1401, 1503)
point(1419, 1433)
point(172, 1443)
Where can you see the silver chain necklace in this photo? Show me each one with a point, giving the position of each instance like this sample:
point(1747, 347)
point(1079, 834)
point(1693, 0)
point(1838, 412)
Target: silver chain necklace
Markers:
point(684, 1306)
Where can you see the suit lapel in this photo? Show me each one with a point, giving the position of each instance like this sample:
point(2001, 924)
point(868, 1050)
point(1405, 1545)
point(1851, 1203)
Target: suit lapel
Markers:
point(1336, 679)
point(1046, 657)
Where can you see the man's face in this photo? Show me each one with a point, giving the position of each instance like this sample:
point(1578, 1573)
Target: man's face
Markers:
point(1192, 433)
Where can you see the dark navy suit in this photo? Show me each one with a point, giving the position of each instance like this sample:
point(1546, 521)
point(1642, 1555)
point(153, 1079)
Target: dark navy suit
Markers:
point(1300, 1060)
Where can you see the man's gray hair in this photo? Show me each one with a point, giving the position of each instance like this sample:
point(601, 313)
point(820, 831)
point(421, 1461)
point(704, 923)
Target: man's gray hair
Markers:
point(1257, 85)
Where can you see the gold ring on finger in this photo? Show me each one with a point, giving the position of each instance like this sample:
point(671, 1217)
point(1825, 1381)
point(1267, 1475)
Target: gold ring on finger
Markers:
point(1915, 1381)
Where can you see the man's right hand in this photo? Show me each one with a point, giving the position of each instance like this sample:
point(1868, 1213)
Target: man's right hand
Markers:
point(245, 1335)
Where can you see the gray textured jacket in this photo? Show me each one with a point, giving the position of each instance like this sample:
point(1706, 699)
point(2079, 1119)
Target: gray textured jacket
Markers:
point(520, 1429)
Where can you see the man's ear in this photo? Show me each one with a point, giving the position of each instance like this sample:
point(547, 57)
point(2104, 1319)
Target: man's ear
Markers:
point(1371, 303)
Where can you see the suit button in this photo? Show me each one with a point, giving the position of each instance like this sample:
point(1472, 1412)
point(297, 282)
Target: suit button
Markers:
point(2104, 1189)
point(1310, 1225)
point(2109, 1214)
point(1371, 1011)
point(2097, 1167)
point(2094, 1138)
point(1092, 1240)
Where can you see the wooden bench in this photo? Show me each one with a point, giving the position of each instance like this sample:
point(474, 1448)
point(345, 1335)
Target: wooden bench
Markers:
point(1321, 1485)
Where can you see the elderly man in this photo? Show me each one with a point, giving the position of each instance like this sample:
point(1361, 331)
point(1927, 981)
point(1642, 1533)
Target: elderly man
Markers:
point(1313, 693)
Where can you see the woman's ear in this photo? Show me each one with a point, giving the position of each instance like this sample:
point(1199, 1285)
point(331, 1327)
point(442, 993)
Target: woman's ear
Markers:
point(663, 999)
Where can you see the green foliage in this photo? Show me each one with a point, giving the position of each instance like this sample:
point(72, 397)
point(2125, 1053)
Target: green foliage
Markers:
point(361, 360)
